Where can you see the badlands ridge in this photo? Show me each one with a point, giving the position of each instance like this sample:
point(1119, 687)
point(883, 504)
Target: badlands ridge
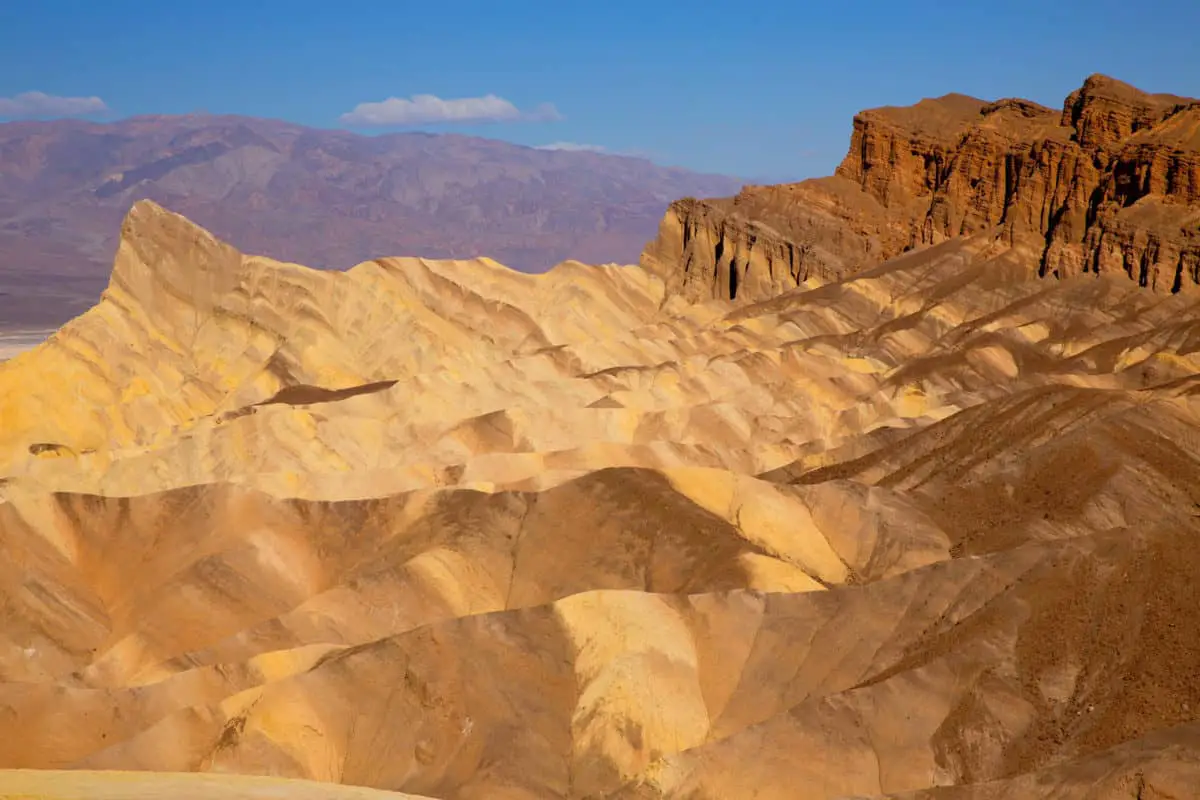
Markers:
point(916, 527)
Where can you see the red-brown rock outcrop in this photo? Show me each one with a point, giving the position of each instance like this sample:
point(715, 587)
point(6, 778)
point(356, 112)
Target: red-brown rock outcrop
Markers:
point(1111, 183)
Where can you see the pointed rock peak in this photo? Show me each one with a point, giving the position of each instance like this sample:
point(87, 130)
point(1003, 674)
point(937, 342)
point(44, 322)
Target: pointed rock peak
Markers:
point(1102, 87)
point(141, 213)
point(959, 99)
point(161, 251)
point(1104, 111)
point(147, 220)
point(1097, 81)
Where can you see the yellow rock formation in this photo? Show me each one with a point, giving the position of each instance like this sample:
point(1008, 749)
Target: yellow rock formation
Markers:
point(445, 529)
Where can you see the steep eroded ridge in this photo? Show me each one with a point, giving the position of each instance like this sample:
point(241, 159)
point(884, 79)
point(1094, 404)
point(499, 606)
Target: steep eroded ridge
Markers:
point(1111, 184)
point(191, 332)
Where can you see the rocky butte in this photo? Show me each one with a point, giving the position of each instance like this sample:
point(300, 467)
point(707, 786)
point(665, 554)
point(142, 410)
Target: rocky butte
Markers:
point(859, 490)
point(1108, 185)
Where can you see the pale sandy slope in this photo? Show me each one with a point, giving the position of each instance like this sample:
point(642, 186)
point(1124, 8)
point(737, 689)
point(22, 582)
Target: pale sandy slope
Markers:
point(90, 785)
point(441, 528)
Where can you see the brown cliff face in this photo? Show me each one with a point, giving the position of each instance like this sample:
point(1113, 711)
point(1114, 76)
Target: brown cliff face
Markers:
point(1110, 183)
point(1105, 112)
point(769, 239)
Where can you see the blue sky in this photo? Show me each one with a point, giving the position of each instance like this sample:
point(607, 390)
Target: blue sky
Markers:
point(759, 90)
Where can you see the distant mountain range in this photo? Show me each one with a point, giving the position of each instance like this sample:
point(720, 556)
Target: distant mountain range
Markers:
point(324, 198)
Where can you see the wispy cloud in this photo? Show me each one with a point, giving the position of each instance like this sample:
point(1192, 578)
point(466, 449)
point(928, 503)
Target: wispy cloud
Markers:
point(574, 147)
point(39, 104)
point(427, 108)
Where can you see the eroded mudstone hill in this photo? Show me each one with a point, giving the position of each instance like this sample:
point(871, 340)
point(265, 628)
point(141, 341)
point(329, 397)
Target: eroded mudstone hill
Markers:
point(446, 529)
point(1109, 184)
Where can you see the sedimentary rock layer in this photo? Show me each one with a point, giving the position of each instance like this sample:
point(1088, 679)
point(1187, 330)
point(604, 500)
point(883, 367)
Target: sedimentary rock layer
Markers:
point(446, 529)
point(1108, 185)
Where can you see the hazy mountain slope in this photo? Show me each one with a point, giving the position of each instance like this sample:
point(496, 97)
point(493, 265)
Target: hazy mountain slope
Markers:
point(326, 198)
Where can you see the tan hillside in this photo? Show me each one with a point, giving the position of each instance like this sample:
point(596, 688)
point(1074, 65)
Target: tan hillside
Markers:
point(445, 529)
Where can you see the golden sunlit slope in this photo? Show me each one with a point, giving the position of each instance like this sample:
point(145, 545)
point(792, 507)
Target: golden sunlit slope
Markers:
point(446, 529)
point(200, 365)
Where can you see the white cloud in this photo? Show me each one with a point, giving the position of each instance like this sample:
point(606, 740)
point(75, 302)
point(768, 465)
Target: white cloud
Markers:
point(426, 108)
point(40, 104)
point(573, 147)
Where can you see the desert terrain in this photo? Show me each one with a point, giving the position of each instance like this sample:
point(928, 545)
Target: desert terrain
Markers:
point(878, 485)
